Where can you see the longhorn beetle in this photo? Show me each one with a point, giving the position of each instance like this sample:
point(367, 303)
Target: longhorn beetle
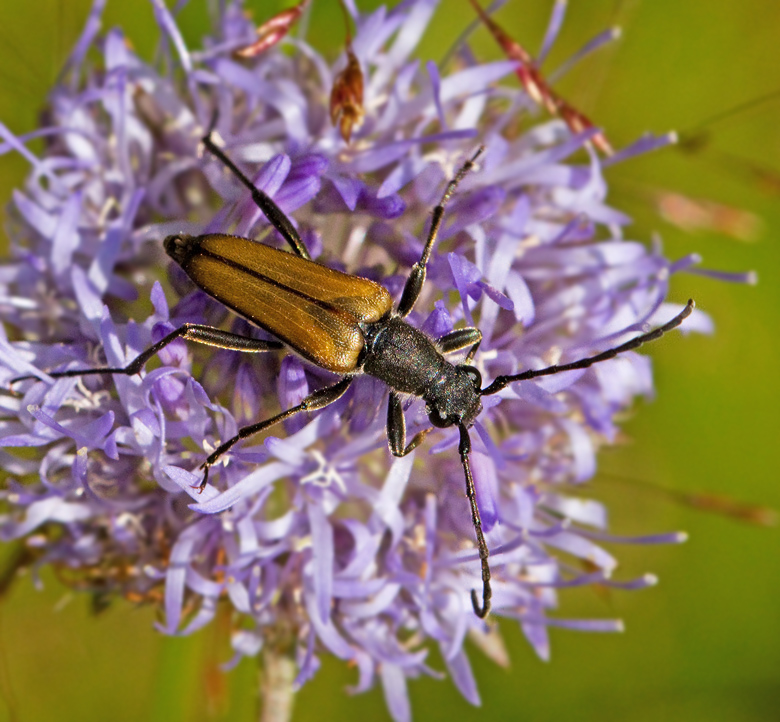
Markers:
point(345, 324)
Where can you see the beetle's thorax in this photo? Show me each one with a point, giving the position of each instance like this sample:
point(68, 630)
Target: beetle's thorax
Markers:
point(409, 362)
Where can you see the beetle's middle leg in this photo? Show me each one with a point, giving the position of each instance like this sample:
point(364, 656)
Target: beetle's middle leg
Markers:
point(275, 215)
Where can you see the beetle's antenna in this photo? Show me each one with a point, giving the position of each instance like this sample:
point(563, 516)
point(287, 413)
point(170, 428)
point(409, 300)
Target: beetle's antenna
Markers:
point(502, 382)
point(464, 448)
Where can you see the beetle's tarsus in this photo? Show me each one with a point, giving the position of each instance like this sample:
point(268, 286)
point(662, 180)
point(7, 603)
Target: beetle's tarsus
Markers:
point(481, 610)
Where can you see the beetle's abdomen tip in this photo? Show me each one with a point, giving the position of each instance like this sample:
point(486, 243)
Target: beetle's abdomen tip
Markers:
point(178, 246)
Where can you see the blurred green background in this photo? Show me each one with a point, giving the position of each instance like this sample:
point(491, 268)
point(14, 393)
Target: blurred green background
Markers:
point(705, 643)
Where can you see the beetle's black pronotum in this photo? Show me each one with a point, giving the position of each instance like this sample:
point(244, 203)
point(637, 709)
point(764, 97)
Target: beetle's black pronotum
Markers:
point(347, 325)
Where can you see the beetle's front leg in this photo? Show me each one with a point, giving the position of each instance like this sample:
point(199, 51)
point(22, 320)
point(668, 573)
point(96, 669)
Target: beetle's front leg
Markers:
point(459, 339)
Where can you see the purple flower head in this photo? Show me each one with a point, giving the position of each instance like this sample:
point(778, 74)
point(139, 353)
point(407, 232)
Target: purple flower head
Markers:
point(318, 538)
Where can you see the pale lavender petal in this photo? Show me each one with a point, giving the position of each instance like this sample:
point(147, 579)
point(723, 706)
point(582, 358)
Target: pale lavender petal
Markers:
point(537, 636)
point(433, 73)
point(604, 37)
point(168, 24)
point(646, 144)
point(396, 694)
point(749, 278)
point(249, 485)
point(553, 28)
point(461, 673)
point(386, 505)
point(322, 559)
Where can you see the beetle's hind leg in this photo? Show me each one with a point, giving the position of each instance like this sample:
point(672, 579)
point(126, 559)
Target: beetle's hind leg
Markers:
point(314, 401)
point(189, 332)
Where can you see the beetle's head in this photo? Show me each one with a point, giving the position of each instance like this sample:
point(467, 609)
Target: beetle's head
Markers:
point(455, 397)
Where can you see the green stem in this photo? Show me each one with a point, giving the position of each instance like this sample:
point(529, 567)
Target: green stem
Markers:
point(276, 686)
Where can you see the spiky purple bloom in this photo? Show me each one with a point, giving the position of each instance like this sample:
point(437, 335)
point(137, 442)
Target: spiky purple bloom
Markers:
point(320, 539)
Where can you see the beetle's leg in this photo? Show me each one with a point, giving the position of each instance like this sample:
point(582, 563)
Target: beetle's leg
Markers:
point(416, 278)
point(472, 352)
point(316, 400)
point(396, 428)
point(189, 332)
point(459, 339)
point(264, 202)
point(501, 382)
point(464, 449)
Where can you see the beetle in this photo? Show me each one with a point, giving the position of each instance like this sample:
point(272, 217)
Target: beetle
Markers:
point(348, 325)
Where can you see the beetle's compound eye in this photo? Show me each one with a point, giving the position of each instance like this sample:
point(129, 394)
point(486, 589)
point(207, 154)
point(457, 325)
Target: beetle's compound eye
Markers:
point(475, 375)
point(435, 417)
